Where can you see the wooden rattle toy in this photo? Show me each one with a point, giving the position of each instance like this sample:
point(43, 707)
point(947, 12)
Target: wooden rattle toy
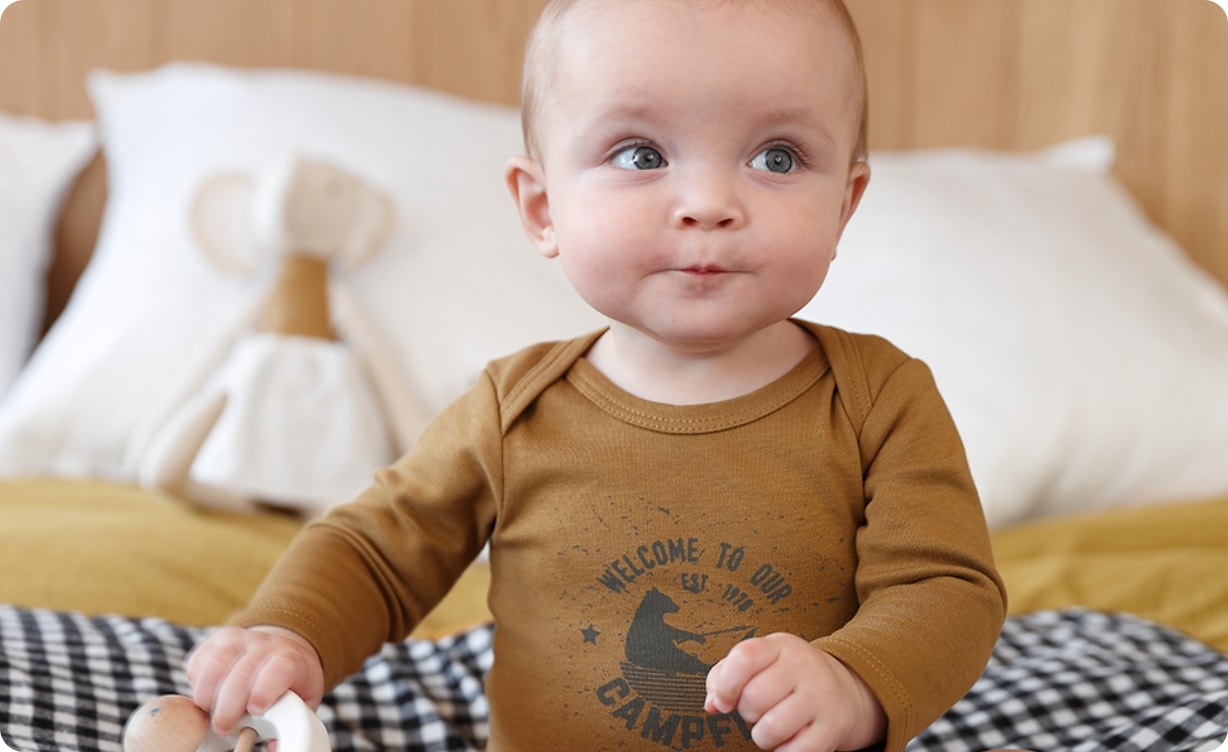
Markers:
point(173, 723)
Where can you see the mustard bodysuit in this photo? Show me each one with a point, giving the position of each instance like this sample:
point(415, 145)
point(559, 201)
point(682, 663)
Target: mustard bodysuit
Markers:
point(634, 543)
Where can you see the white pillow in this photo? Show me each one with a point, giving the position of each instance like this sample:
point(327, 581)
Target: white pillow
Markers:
point(152, 319)
point(1083, 356)
point(38, 162)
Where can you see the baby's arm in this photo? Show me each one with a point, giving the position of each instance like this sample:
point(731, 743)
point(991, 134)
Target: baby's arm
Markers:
point(237, 671)
point(796, 696)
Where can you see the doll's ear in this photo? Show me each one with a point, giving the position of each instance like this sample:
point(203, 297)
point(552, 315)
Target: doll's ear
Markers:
point(371, 228)
point(527, 184)
point(220, 217)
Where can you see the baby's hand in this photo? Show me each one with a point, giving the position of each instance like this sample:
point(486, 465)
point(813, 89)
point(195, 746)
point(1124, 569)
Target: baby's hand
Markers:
point(244, 671)
point(796, 696)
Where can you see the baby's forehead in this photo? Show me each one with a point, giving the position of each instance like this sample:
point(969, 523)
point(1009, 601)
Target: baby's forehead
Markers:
point(566, 27)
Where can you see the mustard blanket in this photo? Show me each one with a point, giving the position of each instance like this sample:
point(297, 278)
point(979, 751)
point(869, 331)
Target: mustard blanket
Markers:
point(103, 548)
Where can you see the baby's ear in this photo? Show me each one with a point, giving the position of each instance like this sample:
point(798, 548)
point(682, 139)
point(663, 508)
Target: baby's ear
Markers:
point(527, 184)
point(859, 178)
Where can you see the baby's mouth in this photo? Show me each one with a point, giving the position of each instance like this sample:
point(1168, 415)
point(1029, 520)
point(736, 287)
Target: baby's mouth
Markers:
point(704, 270)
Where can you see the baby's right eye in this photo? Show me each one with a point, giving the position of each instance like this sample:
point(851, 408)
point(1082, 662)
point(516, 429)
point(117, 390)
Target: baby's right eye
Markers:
point(638, 157)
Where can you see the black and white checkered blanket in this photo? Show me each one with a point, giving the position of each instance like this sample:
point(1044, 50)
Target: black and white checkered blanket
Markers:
point(1068, 681)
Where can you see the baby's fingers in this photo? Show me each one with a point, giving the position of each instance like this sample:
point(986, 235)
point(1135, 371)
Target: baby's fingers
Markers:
point(234, 695)
point(244, 671)
point(791, 726)
point(211, 662)
point(729, 678)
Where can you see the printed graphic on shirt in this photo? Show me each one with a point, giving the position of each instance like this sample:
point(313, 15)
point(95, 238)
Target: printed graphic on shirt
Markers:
point(682, 605)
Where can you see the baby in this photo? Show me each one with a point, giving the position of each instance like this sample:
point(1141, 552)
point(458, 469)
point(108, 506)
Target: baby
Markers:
point(712, 526)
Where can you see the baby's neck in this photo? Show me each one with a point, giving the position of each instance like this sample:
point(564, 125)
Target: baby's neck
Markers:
point(650, 370)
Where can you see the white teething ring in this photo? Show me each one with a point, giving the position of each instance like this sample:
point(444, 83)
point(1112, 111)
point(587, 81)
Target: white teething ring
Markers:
point(289, 721)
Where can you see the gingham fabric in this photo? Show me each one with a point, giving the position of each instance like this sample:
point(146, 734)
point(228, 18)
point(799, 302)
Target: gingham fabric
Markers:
point(1085, 681)
point(69, 682)
point(1071, 680)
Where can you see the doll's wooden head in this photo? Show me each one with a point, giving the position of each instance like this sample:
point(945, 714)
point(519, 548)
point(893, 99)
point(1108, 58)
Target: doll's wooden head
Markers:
point(171, 723)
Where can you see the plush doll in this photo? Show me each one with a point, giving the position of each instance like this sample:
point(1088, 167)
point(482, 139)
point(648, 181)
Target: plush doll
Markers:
point(309, 401)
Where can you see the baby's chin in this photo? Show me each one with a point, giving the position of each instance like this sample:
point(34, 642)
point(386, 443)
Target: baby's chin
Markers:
point(713, 337)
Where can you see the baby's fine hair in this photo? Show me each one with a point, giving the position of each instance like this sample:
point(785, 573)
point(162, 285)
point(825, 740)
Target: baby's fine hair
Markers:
point(541, 56)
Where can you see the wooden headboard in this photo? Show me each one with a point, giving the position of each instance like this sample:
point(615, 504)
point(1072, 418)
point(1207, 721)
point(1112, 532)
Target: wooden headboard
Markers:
point(1011, 74)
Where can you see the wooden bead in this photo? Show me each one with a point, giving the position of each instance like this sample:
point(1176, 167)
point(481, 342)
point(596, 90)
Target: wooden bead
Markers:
point(246, 740)
point(170, 723)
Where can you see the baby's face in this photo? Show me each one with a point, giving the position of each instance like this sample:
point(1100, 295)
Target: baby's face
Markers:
point(697, 158)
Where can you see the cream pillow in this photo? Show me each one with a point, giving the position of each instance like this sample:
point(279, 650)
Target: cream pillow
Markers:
point(1083, 356)
point(151, 319)
point(38, 162)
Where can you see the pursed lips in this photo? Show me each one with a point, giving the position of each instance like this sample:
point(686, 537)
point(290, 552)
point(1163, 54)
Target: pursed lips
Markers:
point(704, 269)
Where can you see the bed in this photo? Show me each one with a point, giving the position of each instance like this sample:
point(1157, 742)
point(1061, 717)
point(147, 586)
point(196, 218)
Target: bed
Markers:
point(1046, 225)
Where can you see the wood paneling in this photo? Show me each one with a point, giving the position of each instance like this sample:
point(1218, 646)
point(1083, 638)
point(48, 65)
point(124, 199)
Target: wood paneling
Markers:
point(485, 61)
point(1196, 119)
point(383, 36)
point(468, 47)
point(26, 84)
point(964, 50)
point(888, 50)
point(231, 32)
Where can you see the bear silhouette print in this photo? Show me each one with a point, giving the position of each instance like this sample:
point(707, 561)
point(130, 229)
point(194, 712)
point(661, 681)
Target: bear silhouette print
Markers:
point(653, 643)
point(657, 667)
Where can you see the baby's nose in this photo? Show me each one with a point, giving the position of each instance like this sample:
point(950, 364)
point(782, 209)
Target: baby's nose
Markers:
point(709, 204)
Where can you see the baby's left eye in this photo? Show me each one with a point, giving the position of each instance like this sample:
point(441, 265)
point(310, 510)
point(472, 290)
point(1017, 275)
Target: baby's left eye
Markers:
point(775, 159)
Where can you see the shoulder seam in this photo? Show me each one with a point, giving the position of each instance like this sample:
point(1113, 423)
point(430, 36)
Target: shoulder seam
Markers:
point(552, 366)
point(844, 359)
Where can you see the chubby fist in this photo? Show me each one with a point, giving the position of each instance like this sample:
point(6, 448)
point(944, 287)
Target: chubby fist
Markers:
point(238, 671)
point(797, 697)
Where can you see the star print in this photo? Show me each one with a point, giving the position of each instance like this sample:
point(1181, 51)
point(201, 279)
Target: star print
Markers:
point(590, 634)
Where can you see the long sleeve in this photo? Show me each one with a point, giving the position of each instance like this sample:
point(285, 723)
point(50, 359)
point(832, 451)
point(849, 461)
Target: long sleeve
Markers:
point(369, 571)
point(931, 602)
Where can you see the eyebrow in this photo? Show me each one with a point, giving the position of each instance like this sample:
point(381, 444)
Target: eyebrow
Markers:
point(806, 119)
point(620, 111)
